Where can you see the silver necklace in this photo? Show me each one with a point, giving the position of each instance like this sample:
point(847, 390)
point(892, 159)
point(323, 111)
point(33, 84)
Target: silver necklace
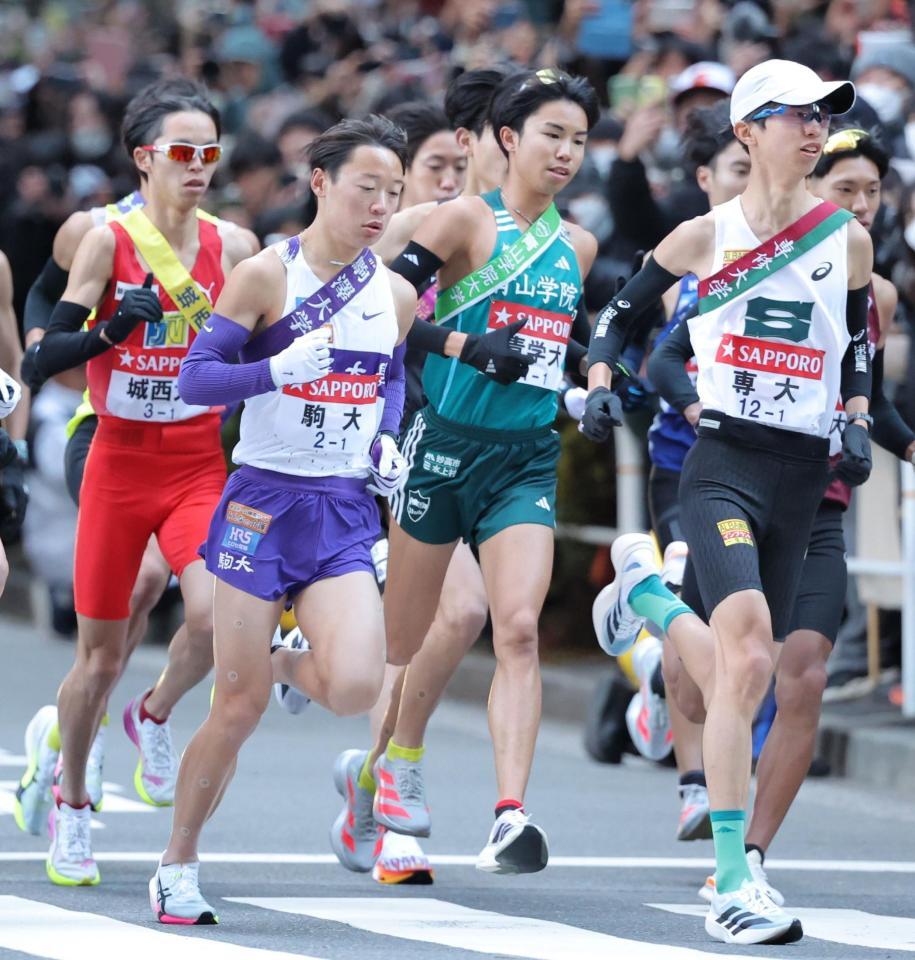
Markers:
point(523, 216)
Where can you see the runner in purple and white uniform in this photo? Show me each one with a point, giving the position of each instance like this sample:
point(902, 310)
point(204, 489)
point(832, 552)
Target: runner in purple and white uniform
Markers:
point(316, 322)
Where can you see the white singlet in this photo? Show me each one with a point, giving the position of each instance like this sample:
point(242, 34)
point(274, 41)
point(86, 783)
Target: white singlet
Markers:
point(773, 354)
point(326, 427)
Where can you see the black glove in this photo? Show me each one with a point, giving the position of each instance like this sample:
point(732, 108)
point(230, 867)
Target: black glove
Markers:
point(8, 451)
point(29, 370)
point(603, 412)
point(139, 305)
point(492, 354)
point(14, 498)
point(855, 466)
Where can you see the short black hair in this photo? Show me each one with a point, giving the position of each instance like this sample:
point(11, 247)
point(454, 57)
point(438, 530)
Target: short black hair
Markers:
point(332, 149)
point(419, 120)
point(521, 95)
point(253, 152)
point(708, 132)
point(146, 111)
point(311, 118)
point(856, 142)
point(469, 95)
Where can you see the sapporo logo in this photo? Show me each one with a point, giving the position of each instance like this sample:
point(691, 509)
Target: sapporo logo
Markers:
point(778, 319)
point(417, 505)
point(822, 271)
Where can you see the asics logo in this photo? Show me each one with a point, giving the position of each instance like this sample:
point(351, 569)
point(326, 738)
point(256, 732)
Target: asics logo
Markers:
point(822, 271)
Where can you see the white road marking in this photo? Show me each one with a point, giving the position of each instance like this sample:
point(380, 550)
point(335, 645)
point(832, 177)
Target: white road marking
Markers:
point(854, 927)
point(464, 860)
point(483, 931)
point(114, 802)
point(47, 931)
point(8, 759)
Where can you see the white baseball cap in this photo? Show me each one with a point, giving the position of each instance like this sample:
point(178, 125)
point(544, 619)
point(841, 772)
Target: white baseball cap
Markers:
point(707, 75)
point(784, 81)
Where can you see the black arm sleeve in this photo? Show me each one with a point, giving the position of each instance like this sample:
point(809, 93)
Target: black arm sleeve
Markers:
point(65, 345)
point(890, 431)
point(856, 364)
point(416, 264)
point(575, 351)
point(47, 289)
point(427, 337)
point(613, 322)
point(667, 368)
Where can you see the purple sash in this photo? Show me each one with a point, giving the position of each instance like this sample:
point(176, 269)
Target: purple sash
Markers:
point(314, 310)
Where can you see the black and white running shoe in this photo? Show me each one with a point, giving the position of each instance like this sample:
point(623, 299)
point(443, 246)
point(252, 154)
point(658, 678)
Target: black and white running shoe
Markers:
point(747, 916)
point(515, 846)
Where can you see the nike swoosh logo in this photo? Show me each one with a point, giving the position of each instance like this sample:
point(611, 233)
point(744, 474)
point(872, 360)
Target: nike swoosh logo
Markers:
point(208, 329)
point(371, 316)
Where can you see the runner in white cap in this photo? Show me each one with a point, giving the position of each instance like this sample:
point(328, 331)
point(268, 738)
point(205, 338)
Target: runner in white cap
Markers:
point(777, 342)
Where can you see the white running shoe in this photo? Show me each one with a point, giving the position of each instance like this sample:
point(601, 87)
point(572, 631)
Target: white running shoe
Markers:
point(70, 862)
point(747, 916)
point(674, 565)
point(33, 795)
point(94, 764)
point(695, 818)
point(755, 862)
point(290, 699)
point(402, 861)
point(174, 895)
point(616, 624)
point(515, 845)
point(707, 890)
point(156, 774)
point(647, 717)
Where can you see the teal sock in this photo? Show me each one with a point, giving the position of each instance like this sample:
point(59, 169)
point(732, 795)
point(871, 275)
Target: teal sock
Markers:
point(730, 854)
point(652, 600)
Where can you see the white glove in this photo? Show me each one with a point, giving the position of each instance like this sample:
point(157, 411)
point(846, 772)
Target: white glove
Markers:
point(574, 401)
point(389, 469)
point(307, 358)
point(10, 392)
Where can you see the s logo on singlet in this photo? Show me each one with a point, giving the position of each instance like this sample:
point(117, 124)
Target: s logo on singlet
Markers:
point(778, 319)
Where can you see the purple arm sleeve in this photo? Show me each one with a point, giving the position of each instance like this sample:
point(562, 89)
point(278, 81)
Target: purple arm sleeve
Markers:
point(395, 389)
point(210, 374)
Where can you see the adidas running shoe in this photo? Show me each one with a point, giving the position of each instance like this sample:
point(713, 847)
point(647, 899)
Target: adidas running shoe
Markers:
point(400, 799)
point(695, 819)
point(402, 861)
point(747, 916)
point(355, 837)
point(755, 861)
point(33, 795)
point(70, 862)
point(646, 716)
point(616, 624)
point(290, 699)
point(156, 774)
point(174, 895)
point(515, 845)
point(707, 890)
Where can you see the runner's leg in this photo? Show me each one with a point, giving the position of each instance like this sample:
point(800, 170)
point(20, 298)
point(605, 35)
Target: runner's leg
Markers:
point(243, 626)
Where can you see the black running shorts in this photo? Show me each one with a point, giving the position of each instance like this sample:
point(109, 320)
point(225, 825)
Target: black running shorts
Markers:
point(821, 594)
point(75, 455)
point(664, 506)
point(748, 496)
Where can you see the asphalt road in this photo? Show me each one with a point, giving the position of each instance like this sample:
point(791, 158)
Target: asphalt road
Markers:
point(619, 885)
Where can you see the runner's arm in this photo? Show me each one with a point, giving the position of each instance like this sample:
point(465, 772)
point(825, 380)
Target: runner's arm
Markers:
point(890, 431)
point(667, 368)
point(210, 373)
point(856, 364)
point(66, 344)
point(47, 289)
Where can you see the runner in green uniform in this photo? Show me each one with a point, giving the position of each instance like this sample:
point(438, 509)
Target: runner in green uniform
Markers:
point(482, 452)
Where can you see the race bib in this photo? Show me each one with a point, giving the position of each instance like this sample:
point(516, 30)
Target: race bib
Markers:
point(544, 337)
